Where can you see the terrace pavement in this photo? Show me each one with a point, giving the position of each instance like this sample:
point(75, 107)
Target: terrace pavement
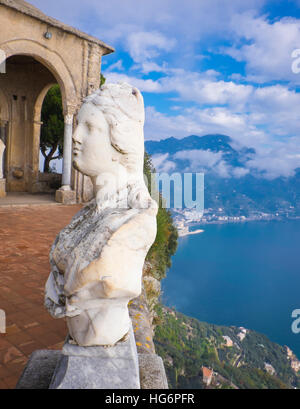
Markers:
point(26, 235)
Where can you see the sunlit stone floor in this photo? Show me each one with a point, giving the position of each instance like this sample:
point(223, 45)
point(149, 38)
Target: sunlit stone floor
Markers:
point(26, 235)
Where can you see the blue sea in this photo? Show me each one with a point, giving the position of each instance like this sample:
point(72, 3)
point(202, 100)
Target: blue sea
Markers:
point(242, 274)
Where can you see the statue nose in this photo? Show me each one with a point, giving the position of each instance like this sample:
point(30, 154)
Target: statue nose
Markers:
point(76, 137)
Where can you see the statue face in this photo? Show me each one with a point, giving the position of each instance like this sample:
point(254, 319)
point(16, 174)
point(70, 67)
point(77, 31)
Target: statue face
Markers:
point(92, 150)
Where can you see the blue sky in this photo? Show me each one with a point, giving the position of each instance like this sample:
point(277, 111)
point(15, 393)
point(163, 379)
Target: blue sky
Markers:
point(205, 66)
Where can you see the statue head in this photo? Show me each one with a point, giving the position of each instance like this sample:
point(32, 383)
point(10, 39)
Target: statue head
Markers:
point(109, 136)
point(109, 144)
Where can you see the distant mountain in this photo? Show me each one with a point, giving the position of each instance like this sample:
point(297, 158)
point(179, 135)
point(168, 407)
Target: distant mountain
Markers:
point(229, 184)
point(214, 142)
point(172, 145)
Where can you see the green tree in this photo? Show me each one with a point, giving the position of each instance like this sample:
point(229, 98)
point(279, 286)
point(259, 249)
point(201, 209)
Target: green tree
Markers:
point(52, 132)
point(102, 80)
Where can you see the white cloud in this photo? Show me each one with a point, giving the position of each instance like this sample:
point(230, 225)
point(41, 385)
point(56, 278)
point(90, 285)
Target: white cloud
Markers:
point(169, 37)
point(199, 158)
point(113, 20)
point(145, 46)
point(202, 88)
point(162, 164)
point(160, 126)
point(274, 157)
point(267, 52)
point(258, 117)
point(205, 160)
point(239, 172)
point(147, 85)
point(150, 66)
point(279, 160)
point(116, 66)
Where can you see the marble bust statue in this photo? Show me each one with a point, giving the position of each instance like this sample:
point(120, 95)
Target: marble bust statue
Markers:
point(2, 149)
point(97, 260)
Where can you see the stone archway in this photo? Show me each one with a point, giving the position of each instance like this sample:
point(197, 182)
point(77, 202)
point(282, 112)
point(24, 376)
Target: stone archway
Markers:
point(52, 61)
point(25, 83)
point(51, 52)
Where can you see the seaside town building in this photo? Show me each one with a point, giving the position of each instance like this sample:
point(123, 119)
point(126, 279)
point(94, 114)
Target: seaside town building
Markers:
point(207, 374)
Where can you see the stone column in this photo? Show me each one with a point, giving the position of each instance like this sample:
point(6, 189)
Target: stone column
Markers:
point(3, 131)
point(65, 194)
point(67, 157)
point(2, 157)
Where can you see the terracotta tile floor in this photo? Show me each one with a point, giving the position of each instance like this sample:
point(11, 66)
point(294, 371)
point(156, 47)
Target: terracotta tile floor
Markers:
point(26, 235)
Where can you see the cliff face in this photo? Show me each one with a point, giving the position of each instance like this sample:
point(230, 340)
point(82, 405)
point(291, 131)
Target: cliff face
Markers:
point(240, 358)
point(141, 310)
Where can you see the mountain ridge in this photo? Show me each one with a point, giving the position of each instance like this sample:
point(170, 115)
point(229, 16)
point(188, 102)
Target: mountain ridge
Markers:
point(230, 184)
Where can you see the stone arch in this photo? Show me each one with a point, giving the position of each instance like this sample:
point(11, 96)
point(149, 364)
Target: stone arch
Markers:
point(26, 83)
point(66, 56)
point(39, 102)
point(51, 60)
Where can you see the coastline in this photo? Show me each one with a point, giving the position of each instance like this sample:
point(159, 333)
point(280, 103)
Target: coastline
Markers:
point(189, 233)
point(202, 223)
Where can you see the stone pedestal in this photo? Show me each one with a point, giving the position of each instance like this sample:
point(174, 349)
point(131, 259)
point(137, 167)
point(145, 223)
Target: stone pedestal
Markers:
point(98, 367)
point(42, 363)
point(65, 196)
point(2, 188)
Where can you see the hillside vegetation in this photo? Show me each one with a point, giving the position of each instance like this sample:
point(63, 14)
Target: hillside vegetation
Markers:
point(244, 359)
point(251, 362)
point(165, 244)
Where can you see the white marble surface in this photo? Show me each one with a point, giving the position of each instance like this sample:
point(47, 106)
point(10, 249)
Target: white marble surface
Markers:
point(97, 260)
